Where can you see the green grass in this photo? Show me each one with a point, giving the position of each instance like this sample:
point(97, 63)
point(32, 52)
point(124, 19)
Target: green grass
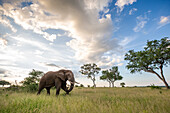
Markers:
point(88, 100)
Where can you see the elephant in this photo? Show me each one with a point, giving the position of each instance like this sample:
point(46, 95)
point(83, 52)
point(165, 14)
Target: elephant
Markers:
point(57, 79)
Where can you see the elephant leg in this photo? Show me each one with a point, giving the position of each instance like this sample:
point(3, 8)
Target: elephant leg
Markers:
point(48, 90)
point(58, 83)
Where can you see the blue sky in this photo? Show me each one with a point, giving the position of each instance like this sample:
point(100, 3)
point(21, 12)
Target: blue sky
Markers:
point(54, 34)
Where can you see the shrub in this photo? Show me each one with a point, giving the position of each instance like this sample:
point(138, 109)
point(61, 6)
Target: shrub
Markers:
point(76, 86)
point(31, 87)
point(81, 85)
point(155, 87)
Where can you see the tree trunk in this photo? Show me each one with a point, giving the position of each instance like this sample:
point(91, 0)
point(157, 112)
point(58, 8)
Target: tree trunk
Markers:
point(94, 85)
point(113, 83)
point(163, 78)
point(166, 84)
point(109, 84)
point(93, 79)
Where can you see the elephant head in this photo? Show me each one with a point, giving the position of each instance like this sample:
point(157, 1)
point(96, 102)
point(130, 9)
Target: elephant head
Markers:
point(67, 75)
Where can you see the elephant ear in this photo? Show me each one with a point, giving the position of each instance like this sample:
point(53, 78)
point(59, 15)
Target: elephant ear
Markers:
point(69, 74)
point(61, 75)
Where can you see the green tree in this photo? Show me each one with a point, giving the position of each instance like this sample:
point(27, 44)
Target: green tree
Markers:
point(155, 55)
point(122, 84)
point(90, 70)
point(3, 82)
point(81, 85)
point(106, 76)
point(31, 82)
point(111, 75)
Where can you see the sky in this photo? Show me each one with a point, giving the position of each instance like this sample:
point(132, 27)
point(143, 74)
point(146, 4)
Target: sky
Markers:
point(49, 35)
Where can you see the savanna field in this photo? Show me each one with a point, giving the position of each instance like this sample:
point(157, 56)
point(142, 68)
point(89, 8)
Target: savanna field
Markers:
point(88, 100)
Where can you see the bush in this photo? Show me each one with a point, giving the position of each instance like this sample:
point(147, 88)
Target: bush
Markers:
point(13, 88)
point(31, 88)
point(88, 85)
point(81, 85)
point(155, 87)
point(76, 86)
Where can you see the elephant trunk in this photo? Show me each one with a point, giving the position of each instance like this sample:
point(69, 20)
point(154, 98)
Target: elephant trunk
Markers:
point(71, 87)
point(72, 81)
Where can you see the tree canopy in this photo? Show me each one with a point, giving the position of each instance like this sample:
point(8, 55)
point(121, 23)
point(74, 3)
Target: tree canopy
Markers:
point(111, 75)
point(122, 84)
point(33, 78)
point(90, 70)
point(3, 82)
point(155, 55)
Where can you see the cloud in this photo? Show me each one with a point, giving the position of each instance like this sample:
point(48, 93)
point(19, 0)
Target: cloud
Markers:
point(3, 43)
point(6, 22)
point(132, 11)
point(38, 52)
point(50, 66)
point(28, 18)
point(126, 41)
point(122, 3)
point(34, 43)
point(141, 21)
point(2, 71)
point(164, 20)
point(91, 35)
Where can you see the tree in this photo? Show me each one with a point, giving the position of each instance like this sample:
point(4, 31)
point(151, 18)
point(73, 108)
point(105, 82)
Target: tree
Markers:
point(81, 85)
point(106, 76)
point(111, 75)
point(90, 70)
point(122, 84)
point(155, 55)
point(31, 82)
point(3, 82)
point(33, 78)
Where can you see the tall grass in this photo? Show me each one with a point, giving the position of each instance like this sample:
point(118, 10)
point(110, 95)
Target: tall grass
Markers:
point(88, 100)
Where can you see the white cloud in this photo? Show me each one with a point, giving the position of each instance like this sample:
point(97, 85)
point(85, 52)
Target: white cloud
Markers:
point(14, 73)
point(97, 4)
point(141, 21)
point(139, 26)
point(164, 20)
point(34, 43)
point(91, 35)
point(50, 66)
point(6, 22)
point(122, 3)
point(132, 11)
point(126, 41)
point(3, 43)
point(38, 52)
point(11, 55)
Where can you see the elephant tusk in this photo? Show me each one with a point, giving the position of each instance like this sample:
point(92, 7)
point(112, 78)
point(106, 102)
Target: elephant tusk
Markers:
point(77, 82)
point(74, 82)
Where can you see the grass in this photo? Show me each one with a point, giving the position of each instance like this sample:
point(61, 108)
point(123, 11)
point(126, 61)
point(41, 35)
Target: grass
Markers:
point(88, 100)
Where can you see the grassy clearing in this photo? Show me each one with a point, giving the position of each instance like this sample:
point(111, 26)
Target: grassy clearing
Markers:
point(88, 100)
